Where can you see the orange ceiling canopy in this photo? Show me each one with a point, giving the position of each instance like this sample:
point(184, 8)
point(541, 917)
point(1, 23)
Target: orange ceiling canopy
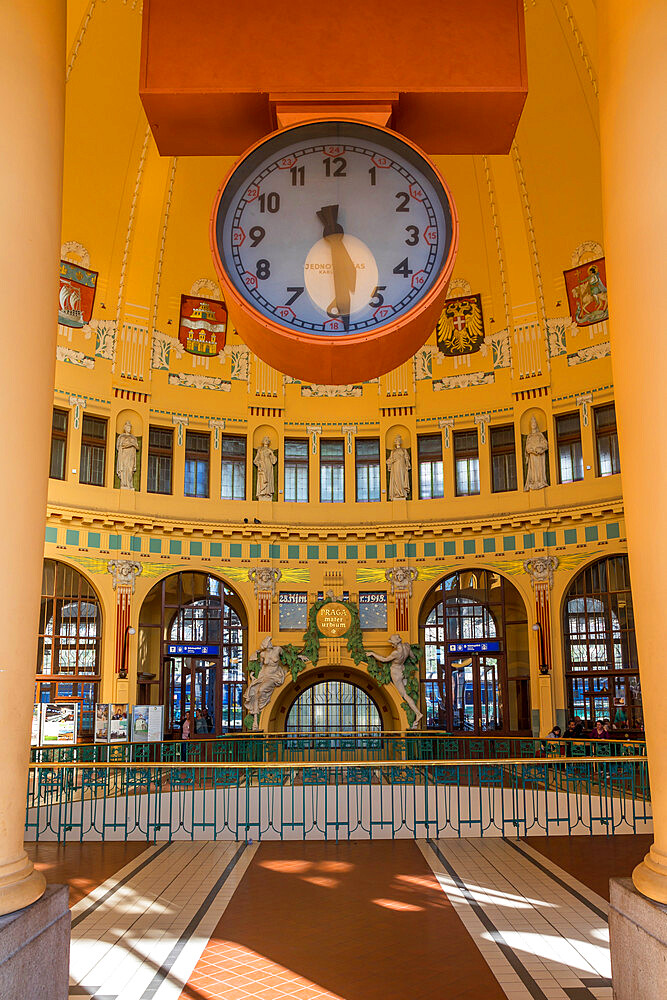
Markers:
point(450, 75)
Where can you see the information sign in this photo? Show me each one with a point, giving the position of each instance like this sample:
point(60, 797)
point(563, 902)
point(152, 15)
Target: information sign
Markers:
point(191, 649)
point(473, 647)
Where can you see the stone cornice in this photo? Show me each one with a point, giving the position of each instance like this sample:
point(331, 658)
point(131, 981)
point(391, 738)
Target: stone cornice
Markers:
point(273, 531)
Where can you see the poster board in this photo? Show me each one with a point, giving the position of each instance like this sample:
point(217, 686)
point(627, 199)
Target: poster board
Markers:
point(119, 723)
point(102, 715)
point(147, 723)
point(59, 724)
point(36, 724)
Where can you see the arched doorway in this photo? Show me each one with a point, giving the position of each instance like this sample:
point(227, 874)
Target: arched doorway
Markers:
point(333, 706)
point(476, 671)
point(69, 641)
point(192, 647)
point(601, 666)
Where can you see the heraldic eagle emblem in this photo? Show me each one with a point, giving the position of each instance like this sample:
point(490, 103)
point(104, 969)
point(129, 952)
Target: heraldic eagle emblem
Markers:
point(460, 329)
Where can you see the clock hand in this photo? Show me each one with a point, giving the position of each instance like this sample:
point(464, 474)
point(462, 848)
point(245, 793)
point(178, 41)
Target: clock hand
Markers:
point(344, 271)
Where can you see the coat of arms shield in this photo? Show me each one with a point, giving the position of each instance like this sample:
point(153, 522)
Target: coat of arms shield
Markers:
point(460, 329)
point(77, 294)
point(202, 326)
point(586, 287)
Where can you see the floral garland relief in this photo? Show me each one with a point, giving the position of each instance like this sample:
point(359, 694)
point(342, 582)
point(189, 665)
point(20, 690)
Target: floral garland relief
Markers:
point(380, 672)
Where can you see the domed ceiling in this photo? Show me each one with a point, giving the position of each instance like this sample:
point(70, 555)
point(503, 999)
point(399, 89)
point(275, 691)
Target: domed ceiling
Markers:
point(141, 220)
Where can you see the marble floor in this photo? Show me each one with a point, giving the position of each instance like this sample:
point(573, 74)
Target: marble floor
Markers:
point(449, 920)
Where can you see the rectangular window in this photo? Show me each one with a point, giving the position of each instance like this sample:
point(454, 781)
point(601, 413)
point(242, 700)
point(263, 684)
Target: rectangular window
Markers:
point(296, 470)
point(196, 464)
point(367, 453)
point(93, 450)
point(568, 442)
point(160, 459)
point(332, 471)
point(503, 459)
point(466, 462)
point(58, 444)
point(609, 462)
point(233, 467)
point(431, 477)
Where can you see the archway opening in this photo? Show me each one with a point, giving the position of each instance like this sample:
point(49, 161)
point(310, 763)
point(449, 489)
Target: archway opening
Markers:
point(192, 653)
point(69, 642)
point(601, 665)
point(476, 670)
point(333, 706)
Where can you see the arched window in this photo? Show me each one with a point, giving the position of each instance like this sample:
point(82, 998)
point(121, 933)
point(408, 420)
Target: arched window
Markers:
point(476, 669)
point(601, 667)
point(70, 636)
point(333, 706)
point(192, 638)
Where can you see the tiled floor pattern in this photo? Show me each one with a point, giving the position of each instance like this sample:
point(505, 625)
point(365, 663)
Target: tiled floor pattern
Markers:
point(82, 865)
point(542, 933)
point(482, 920)
point(348, 921)
point(593, 860)
point(139, 935)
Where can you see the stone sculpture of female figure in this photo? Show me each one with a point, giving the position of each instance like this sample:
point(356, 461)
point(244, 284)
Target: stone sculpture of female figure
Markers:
point(271, 675)
point(127, 447)
point(398, 464)
point(265, 459)
point(536, 452)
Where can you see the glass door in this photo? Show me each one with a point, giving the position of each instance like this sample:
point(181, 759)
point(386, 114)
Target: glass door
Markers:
point(461, 684)
point(477, 694)
point(192, 695)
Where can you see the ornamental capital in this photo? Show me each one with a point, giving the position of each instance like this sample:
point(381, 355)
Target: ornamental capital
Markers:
point(401, 578)
point(541, 570)
point(124, 572)
point(265, 579)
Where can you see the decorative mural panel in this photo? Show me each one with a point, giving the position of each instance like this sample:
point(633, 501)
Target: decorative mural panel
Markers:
point(460, 329)
point(373, 609)
point(77, 294)
point(293, 609)
point(586, 287)
point(202, 326)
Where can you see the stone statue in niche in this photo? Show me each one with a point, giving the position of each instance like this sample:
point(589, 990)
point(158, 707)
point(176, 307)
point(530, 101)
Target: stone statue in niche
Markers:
point(127, 447)
point(536, 458)
point(271, 675)
point(265, 459)
point(397, 659)
point(398, 464)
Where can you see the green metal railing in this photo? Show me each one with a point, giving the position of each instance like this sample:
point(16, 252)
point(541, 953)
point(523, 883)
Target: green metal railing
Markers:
point(338, 787)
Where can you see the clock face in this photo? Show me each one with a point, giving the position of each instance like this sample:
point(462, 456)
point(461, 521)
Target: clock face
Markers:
point(333, 229)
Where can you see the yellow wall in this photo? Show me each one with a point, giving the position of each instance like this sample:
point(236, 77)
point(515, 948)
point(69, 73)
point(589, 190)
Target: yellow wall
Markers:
point(141, 222)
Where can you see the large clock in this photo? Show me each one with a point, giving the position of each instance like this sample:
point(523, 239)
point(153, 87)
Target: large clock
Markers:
point(335, 242)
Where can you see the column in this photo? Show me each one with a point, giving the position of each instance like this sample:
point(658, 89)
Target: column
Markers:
point(633, 82)
point(124, 573)
point(32, 83)
point(541, 572)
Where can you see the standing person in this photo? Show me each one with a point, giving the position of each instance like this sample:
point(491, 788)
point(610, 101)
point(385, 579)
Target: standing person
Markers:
point(200, 723)
point(185, 732)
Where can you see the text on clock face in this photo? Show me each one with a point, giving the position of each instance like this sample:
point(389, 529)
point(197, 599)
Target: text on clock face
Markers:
point(335, 237)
